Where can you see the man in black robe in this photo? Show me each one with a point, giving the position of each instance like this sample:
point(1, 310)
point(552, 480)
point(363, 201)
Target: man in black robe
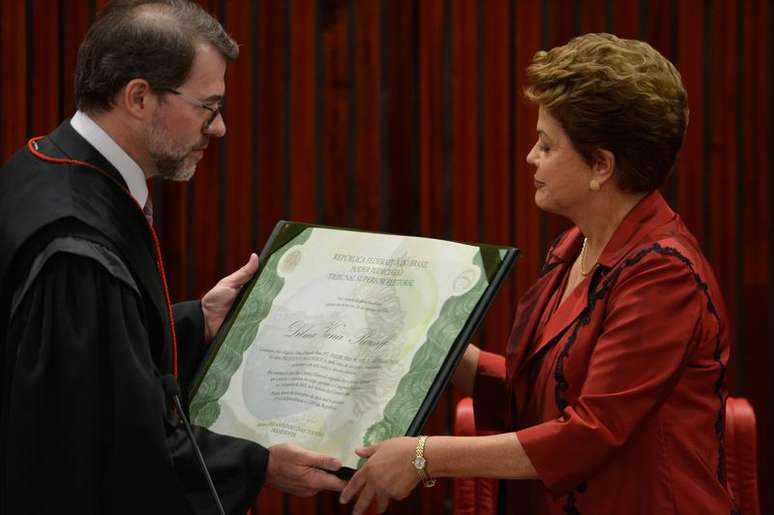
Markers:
point(87, 334)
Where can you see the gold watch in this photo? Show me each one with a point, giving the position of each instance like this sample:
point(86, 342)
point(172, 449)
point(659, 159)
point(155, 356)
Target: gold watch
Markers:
point(420, 463)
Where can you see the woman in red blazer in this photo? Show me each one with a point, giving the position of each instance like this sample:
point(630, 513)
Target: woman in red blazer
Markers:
point(611, 397)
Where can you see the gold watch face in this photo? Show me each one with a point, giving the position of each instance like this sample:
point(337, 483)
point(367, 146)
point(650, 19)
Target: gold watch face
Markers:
point(420, 462)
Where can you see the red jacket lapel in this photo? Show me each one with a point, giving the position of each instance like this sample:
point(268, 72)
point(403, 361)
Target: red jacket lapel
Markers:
point(650, 213)
point(534, 301)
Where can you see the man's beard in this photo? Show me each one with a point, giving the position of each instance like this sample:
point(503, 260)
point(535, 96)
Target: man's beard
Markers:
point(171, 159)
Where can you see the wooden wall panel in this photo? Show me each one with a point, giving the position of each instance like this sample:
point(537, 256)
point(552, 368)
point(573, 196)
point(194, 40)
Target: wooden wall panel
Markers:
point(364, 200)
point(626, 18)
point(465, 120)
point(74, 22)
point(720, 247)
point(528, 36)
point(754, 245)
point(406, 116)
point(692, 63)
point(271, 139)
point(13, 87)
point(337, 166)
point(434, 120)
point(399, 181)
point(595, 16)
point(206, 207)
point(46, 38)
point(496, 151)
point(240, 145)
point(303, 56)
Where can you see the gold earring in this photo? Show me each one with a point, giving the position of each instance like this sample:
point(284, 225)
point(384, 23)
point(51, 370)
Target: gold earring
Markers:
point(594, 185)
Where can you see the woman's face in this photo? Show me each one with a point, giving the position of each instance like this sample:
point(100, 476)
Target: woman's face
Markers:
point(562, 176)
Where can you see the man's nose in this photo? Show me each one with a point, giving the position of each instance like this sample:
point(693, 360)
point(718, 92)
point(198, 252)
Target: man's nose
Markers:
point(217, 128)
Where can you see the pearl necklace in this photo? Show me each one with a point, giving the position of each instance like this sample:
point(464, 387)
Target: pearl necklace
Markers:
point(583, 259)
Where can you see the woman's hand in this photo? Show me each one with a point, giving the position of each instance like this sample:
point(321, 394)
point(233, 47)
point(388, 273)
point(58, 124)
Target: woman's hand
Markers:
point(387, 474)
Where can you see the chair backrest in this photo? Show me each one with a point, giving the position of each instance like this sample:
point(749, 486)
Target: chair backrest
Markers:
point(478, 496)
point(472, 495)
point(741, 455)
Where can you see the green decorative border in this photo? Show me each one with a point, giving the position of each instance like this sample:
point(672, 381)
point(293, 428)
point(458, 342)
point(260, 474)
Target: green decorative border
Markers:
point(205, 407)
point(414, 386)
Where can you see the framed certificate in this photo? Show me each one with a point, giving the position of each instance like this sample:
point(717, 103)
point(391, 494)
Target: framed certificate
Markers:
point(344, 338)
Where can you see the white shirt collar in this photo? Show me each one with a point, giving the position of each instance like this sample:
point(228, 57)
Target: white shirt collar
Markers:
point(105, 145)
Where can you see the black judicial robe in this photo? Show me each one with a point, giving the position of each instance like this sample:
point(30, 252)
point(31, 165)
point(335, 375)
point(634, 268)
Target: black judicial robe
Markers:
point(84, 340)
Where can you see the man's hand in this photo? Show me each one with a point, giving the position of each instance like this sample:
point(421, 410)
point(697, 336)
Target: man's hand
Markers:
point(217, 301)
point(388, 474)
point(301, 472)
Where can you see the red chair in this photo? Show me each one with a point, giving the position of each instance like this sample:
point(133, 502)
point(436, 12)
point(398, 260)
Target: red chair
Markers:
point(478, 496)
point(741, 455)
point(472, 495)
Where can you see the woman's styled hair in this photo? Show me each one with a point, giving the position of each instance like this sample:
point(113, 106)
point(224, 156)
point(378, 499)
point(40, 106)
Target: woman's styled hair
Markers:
point(615, 94)
point(153, 40)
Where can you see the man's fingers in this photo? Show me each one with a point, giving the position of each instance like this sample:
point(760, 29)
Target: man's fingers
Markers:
point(241, 276)
point(317, 460)
point(306, 458)
point(326, 481)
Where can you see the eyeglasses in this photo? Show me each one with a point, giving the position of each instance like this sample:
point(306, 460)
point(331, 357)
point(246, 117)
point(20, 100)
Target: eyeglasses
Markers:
point(215, 111)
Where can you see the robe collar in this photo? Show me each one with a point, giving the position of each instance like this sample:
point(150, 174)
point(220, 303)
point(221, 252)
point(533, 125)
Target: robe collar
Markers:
point(130, 171)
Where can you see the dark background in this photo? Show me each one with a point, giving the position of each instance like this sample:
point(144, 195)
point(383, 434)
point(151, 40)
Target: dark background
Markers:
point(406, 116)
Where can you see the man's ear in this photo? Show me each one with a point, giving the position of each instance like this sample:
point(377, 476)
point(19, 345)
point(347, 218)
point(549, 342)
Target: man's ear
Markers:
point(604, 165)
point(137, 99)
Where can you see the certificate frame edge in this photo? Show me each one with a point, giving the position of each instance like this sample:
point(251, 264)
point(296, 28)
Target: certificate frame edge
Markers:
point(457, 349)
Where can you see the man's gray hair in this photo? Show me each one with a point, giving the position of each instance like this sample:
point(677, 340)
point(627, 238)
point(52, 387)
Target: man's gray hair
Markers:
point(153, 40)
